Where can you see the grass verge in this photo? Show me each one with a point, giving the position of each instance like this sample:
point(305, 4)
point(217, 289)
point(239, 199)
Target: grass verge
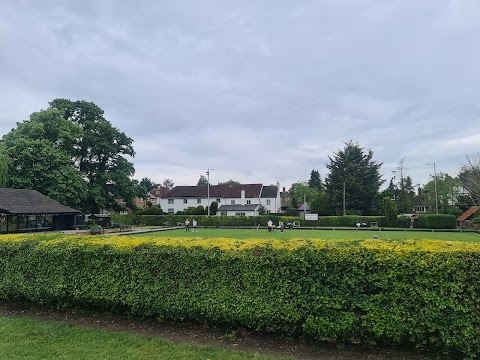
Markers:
point(243, 234)
point(34, 339)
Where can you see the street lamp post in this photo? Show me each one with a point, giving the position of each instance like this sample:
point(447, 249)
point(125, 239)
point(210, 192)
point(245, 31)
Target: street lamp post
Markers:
point(435, 183)
point(208, 191)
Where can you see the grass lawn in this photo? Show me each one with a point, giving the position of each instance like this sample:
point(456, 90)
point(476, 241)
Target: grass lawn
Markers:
point(318, 234)
point(35, 339)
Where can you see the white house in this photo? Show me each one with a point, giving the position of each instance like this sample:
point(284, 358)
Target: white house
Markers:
point(180, 198)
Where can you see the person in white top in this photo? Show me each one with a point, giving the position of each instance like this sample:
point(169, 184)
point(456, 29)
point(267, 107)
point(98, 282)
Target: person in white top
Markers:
point(194, 225)
point(270, 225)
point(187, 225)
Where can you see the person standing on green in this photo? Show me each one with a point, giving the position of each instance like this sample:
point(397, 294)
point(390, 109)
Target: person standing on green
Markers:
point(280, 225)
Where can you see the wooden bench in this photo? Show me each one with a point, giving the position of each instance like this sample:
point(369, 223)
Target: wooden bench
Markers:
point(96, 231)
point(123, 227)
point(166, 223)
point(179, 224)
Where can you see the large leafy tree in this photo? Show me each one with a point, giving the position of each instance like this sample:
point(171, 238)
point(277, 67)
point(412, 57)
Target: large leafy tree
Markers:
point(71, 153)
point(38, 157)
point(447, 193)
point(353, 169)
point(99, 154)
point(316, 198)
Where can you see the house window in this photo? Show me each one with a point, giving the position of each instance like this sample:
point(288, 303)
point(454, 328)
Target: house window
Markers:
point(240, 214)
point(170, 201)
point(268, 202)
point(171, 211)
point(249, 202)
point(268, 211)
point(232, 202)
point(223, 213)
point(199, 201)
point(218, 201)
point(184, 201)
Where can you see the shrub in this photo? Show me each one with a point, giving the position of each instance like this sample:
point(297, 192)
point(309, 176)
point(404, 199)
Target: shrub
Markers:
point(154, 210)
point(437, 221)
point(365, 292)
point(390, 211)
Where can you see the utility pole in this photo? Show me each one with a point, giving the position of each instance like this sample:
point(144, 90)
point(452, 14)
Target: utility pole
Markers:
point(208, 191)
point(435, 183)
point(344, 205)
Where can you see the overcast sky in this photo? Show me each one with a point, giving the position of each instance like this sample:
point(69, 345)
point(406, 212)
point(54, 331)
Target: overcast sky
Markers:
point(259, 91)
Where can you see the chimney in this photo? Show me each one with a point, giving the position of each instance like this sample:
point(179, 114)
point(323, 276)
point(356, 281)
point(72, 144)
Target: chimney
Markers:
point(284, 189)
point(242, 192)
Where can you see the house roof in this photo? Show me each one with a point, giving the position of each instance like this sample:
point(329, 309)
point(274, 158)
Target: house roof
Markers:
point(269, 191)
point(468, 213)
point(304, 207)
point(250, 207)
point(28, 202)
point(160, 191)
point(218, 191)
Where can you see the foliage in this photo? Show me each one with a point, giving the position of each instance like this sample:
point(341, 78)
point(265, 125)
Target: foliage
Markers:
point(437, 221)
point(390, 211)
point(447, 192)
point(427, 221)
point(199, 210)
point(202, 181)
point(168, 183)
point(213, 208)
point(99, 153)
point(153, 210)
point(361, 291)
point(470, 176)
point(360, 174)
point(4, 164)
point(402, 193)
point(37, 160)
point(291, 211)
point(315, 181)
point(149, 184)
point(316, 198)
point(262, 209)
point(71, 153)
point(229, 182)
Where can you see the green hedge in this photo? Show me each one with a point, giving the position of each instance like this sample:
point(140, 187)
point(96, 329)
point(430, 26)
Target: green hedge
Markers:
point(437, 221)
point(203, 220)
point(386, 293)
point(427, 221)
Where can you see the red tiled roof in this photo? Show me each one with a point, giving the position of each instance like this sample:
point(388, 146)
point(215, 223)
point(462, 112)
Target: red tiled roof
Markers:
point(468, 213)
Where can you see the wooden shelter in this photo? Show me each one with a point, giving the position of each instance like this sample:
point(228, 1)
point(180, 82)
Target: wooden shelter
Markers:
point(24, 210)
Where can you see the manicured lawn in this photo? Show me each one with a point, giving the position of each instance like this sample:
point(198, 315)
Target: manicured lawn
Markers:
point(319, 234)
point(34, 339)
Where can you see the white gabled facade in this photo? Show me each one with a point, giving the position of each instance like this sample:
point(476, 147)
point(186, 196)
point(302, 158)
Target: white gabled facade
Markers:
point(180, 198)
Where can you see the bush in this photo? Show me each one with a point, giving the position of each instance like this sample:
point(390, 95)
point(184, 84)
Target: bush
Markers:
point(369, 292)
point(429, 221)
point(154, 210)
point(437, 221)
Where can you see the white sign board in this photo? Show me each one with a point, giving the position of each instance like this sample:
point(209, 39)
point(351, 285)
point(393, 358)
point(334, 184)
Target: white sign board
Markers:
point(311, 216)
